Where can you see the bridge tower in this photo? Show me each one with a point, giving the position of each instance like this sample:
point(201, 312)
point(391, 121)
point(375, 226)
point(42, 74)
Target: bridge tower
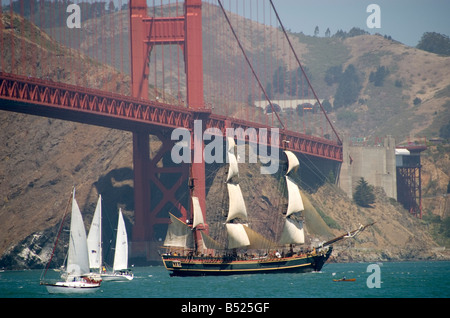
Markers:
point(157, 189)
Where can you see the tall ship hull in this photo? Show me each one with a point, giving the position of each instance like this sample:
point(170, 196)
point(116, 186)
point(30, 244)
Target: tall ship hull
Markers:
point(220, 266)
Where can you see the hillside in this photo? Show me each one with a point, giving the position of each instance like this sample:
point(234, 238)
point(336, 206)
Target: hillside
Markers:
point(41, 159)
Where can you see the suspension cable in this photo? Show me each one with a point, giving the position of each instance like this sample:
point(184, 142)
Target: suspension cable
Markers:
point(303, 71)
point(250, 65)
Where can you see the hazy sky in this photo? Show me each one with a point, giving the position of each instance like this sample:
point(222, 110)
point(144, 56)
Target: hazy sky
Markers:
point(404, 20)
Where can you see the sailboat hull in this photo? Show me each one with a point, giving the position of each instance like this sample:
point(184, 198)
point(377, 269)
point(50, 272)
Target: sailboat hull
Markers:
point(117, 277)
point(72, 288)
point(204, 266)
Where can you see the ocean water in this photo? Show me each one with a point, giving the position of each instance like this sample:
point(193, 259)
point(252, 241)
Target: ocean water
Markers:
point(397, 280)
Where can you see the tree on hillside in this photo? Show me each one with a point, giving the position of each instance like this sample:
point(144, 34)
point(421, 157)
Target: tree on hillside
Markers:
point(348, 89)
point(364, 195)
point(377, 78)
point(444, 132)
point(435, 43)
point(316, 31)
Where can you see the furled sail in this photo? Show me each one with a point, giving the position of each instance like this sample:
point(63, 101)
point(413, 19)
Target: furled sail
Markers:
point(178, 234)
point(293, 232)
point(78, 258)
point(198, 215)
point(237, 205)
point(237, 236)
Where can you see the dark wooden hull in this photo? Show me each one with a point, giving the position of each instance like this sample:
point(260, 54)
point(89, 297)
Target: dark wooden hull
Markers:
point(203, 266)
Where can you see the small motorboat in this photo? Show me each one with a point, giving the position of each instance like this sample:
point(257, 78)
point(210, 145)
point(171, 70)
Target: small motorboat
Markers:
point(344, 280)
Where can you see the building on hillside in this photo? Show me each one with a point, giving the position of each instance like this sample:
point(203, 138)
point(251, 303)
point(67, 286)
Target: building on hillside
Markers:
point(395, 169)
point(409, 179)
point(289, 105)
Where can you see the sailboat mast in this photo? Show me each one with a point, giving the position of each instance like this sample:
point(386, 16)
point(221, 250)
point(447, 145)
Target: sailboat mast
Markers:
point(57, 236)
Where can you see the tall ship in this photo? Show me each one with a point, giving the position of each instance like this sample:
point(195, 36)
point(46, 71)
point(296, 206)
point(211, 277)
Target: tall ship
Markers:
point(193, 252)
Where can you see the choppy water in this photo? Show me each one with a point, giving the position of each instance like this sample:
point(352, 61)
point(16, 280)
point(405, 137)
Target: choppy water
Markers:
point(397, 280)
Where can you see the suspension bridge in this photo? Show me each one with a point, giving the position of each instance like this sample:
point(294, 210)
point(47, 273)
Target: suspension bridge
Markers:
point(150, 67)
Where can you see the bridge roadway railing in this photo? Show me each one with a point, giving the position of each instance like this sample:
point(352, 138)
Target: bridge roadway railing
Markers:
point(68, 102)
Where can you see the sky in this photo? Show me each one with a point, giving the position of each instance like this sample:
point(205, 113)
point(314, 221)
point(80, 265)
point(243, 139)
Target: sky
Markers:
point(404, 20)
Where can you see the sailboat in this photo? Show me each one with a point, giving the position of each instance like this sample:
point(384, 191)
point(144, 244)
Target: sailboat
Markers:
point(246, 251)
point(120, 265)
point(94, 241)
point(77, 276)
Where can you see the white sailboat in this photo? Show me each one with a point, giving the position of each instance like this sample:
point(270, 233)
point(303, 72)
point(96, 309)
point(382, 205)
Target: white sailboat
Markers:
point(77, 277)
point(94, 239)
point(120, 266)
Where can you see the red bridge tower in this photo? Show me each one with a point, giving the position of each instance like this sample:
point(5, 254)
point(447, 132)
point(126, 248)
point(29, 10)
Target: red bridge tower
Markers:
point(145, 33)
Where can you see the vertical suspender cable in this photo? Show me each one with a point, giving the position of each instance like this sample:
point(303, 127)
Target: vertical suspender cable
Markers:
point(250, 65)
point(304, 74)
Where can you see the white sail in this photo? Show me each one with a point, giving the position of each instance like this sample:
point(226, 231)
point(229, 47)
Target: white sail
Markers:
point(231, 144)
point(121, 253)
point(292, 161)
point(237, 236)
point(233, 169)
point(94, 239)
point(293, 233)
point(77, 259)
point(178, 234)
point(237, 205)
point(295, 203)
point(198, 215)
point(233, 166)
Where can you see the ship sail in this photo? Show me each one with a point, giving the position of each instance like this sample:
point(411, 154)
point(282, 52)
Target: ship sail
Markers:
point(94, 239)
point(179, 234)
point(198, 215)
point(293, 232)
point(210, 243)
point(77, 259)
point(121, 255)
point(237, 236)
point(237, 205)
point(233, 169)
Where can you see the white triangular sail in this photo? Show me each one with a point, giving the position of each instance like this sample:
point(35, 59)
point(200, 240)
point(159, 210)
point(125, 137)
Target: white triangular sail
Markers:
point(77, 259)
point(295, 203)
point(178, 234)
point(237, 236)
point(94, 239)
point(198, 214)
point(121, 253)
point(237, 205)
point(293, 233)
